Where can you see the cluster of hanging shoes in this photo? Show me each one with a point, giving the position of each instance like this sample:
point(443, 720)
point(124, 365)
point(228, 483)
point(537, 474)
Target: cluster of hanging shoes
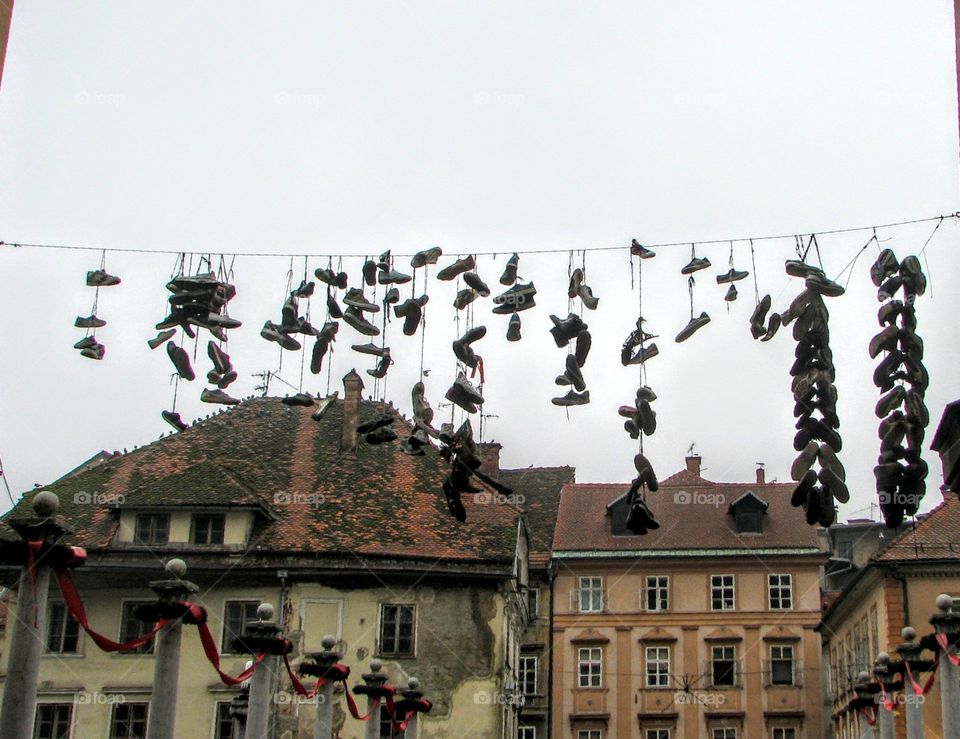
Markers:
point(640, 519)
point(815, 395)
point(519, 297)
point(696, 322)
point(572, 329)
point(762, 327)
point(460, 450)
point(900, 471)
point(88, 346)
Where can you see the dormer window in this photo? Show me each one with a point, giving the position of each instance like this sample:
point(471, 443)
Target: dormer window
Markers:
point(207, 529)
point(748, 511)
point(152, 528)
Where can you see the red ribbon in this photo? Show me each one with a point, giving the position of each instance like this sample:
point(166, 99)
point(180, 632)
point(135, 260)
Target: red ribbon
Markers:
point(887, 703)
point(298, 685)
point(866, 714)
point(944, 643)
point(71, 599)
point(210, 649)
point(479, 366)
point(919, 689)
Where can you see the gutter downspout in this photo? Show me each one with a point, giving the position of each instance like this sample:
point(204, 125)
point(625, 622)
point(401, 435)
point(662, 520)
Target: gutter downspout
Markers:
point(551, 576)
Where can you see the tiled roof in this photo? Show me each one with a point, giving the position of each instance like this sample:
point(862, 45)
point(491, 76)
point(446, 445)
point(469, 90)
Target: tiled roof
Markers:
point(540, 488)
point(378, 502)
point(935, 537)
point(692, 513)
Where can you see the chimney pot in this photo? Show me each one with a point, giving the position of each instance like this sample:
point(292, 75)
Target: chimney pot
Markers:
point(489, 452)
point(693, 464)
point(352, 387)
point(761, 476)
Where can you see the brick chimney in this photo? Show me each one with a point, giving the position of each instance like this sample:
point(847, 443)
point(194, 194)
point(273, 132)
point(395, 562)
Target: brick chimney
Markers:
point(489, 452)
point(761, 475)
point(352, 387)
point(693, 464)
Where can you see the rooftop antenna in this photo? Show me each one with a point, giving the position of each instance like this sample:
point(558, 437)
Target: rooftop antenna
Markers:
point(482, 416)
point(690, 451)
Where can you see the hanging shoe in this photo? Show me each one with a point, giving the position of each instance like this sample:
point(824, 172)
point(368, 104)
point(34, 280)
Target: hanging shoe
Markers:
point(827, 511)
point(914, 281)
point(576, 280)
point(289, 313)
point(774, 326)
point(759, 318)
point(464, 298)
point(333, 308)
point(586, 295)
point(884, 341)
point(174, 420)
point(885, 266)
point(891, 401)
point(831, 481)
point(217, 396)
point(574, 373)
point(272, 332)
point(695, 265)
point(472, 280)
point(370, 273)
point(802, 491)
point(220, 359)
point(509, 275)
point(377, 423)
point(883, 374)
point(86, 342)
point(161, 338)
point(320, 347)
point(823, 286)
point(329, 331)
point(94, 352)
point(732, 275)
point(911, 344)
point(513, 328)
point(385, 260)
point(90, 321)
point(99, 278)
point(425, 257)
point(638, 335)
point(460, 266)
point(812, 506)
point(382, 366)
point(372, 349)
point(568, 328)
point(181, 361)
point(465, 354)
point(381, 436)
point(638, 250)
point(582, 349)
point(648, 418)
point(356, 299)
point(798, 268)
point(304, 400)
point(391, 297)
point(412, 314)
point(355, 319)
point(916, 409)
point(695, 323)
point(227, 379)
point(645, 393)
point(731, 293)
point(421, 408)
point(305, 290)
point(891, 310)
point(572, 398)
point(392, 277)
point(464, 394)
point(828, 460)
point(627, 356)
point(518, 298)
point(804, 461)
point(454, 502)
point(889, 288)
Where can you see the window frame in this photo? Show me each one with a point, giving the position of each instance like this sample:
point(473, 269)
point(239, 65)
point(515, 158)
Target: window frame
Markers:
point(589, 733)
point(733, 665)
point(140, 518)
point(124, 705)
point(662, 589)
point(725, 729)
point(62, 636)
point(209, 518)
point(661, 676)
point(218, 720)
point(657, 733)
point(523, 670)
point(55, 705)
point(588, 584)
point(142, 628)
point(225, 646)
point(594, 668)
point(792, 661)
point(779, 732)
point(397, 652)
point(784, 591)
point(722, 588)
point(527, 731)
point(533, 603)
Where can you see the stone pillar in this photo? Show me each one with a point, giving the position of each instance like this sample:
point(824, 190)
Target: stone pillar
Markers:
point(372, 681)
point(909, 652)
point(322, 662)
point(947, 621)
point(27, 629)
point(412, 694)
point(263, 678)
point(866, 698)
point(238, 707)
point(885, 724)
point(162, 716)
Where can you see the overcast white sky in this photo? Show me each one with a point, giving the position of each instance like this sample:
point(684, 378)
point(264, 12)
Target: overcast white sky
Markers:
point(350, 128)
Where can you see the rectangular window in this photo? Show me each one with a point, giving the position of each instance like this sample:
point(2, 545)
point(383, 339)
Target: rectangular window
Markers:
point(780, 592)
point(53, 721)
point(724, 734)
point(589, 734)
point(722, 592)
point(152, 528)
point(527, 732)
point(207, 529)
point(63, 633)
point(657, 734)
point(845, 550)
point(723, 663)
point(237, 614)
point(527, 674)
point(131, 627)
point(396, 630)
point(590, 667)
point(224, 726)
point(656, 593)
point(658, 667)
point(386, 725)
point(533, 603)
point(781, 664)
point(782, 732)
point(128, 721)
point(591, 594)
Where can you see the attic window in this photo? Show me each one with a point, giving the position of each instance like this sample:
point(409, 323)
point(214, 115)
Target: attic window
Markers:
point(749, 521)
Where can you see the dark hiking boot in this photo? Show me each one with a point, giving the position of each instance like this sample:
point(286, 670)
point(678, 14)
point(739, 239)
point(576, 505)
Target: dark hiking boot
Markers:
point(648, 418)
point(305, 290)
point(355, 319)
point(181, 361)
point(382, 366)
point(381, 436)
point(733, 275)
point(454, 502)
point(513, 328)
point(426, 256)
point(370, 273)
point(161, 338)
point(85, 343)
point(372, 349)
point(885, 266)
point(451, 271)
point(217, 396)
point(391, 297)
point(568, 328)
point(802, 491)
point(100, 278)
point(572, 398)
point(90, 321)
point(93, 352)
point(220, 359)
point(357, 300)
point(731, 294)
point(823, 286)
point(695, 265)
point(392, 277)
point(304, 400)
point(573, 372)
point(377, 423)
point(174, 420)
point(463, 298)
point(472, 280)
point(412, 314)
point(638, 250)
point(586, 295)
point(509, 275)
point(914, 281)
point(329, 331)
point(889, 288)
point(582, 350)
point(518, 298)
point(320, 347)
point(804, 461)
point(464, 394)
point(333, 307)
point(695, 323)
